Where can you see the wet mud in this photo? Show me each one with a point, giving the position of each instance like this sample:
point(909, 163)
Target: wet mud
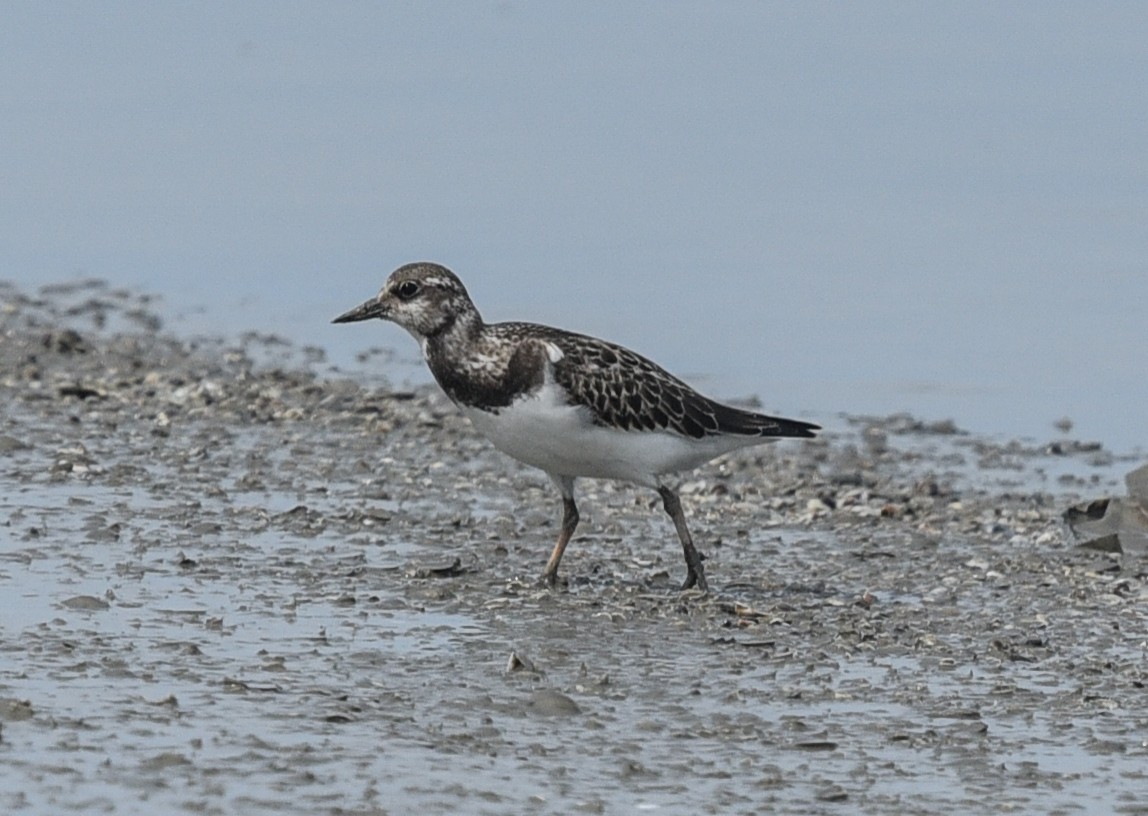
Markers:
point(233, 580)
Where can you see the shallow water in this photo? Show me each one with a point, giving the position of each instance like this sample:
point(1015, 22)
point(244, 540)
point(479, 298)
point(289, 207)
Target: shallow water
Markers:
point(264, 681)
point(235, 588)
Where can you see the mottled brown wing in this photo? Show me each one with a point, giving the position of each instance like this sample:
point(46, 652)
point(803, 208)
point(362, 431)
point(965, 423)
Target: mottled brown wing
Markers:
point(625, 390)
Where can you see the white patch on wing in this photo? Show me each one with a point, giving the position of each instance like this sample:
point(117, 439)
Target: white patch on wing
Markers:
point(543, 430)
point(553, 353)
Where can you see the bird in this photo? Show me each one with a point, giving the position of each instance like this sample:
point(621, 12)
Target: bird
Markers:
point(568, 404)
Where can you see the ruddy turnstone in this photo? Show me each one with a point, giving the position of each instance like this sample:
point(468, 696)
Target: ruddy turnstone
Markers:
point(567, 403)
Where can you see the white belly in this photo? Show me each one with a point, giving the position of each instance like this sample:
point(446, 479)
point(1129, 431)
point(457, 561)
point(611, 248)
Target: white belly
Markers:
point(545, 432)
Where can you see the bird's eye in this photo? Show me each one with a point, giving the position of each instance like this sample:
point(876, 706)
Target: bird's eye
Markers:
point(407, 290)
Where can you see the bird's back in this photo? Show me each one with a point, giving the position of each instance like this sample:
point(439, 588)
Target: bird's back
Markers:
point(624, 390)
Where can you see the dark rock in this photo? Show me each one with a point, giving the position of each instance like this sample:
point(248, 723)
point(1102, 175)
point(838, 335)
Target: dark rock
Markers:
point(67, 341)
point(1117, 525)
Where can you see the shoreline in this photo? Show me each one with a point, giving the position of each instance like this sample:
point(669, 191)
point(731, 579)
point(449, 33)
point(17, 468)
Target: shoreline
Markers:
point(224, 570)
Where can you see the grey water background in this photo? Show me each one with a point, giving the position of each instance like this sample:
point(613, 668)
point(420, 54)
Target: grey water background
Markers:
point(938, 208)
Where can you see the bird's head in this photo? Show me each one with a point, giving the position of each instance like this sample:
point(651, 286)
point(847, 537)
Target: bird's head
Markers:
point(424, 298)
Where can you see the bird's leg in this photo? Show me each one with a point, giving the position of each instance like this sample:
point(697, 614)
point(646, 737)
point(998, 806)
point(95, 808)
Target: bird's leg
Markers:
point(569, 521)
point(695, 573)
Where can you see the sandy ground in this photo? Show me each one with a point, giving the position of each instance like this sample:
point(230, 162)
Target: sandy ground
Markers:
point(234, 582)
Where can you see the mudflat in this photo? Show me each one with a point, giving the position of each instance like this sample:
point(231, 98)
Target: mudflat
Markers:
point(233, 580)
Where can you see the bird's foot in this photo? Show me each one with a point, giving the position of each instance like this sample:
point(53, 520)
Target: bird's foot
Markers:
point(550, 580)
point(695, 577)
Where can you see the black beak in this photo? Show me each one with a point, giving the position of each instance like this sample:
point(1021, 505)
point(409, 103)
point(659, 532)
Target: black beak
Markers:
point(372, 308)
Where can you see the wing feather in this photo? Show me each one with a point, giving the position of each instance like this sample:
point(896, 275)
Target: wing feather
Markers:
point(626, 390)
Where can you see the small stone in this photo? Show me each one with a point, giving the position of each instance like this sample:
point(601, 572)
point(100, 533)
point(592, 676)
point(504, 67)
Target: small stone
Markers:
point(10, 444)
point(87, 603)
point(15, 710)
point(67, 341)
point(550, 703)
point(518, 663)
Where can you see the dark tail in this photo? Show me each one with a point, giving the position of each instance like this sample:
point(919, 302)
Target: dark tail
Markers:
point(746, 423)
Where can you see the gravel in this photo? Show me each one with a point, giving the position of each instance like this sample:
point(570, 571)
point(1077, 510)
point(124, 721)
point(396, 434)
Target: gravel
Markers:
point(236, 580)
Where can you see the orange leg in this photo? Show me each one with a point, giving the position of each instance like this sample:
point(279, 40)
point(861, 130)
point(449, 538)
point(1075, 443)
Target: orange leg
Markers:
point(569, 523)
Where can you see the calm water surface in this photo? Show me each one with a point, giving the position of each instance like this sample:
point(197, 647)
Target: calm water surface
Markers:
point(938, 209)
